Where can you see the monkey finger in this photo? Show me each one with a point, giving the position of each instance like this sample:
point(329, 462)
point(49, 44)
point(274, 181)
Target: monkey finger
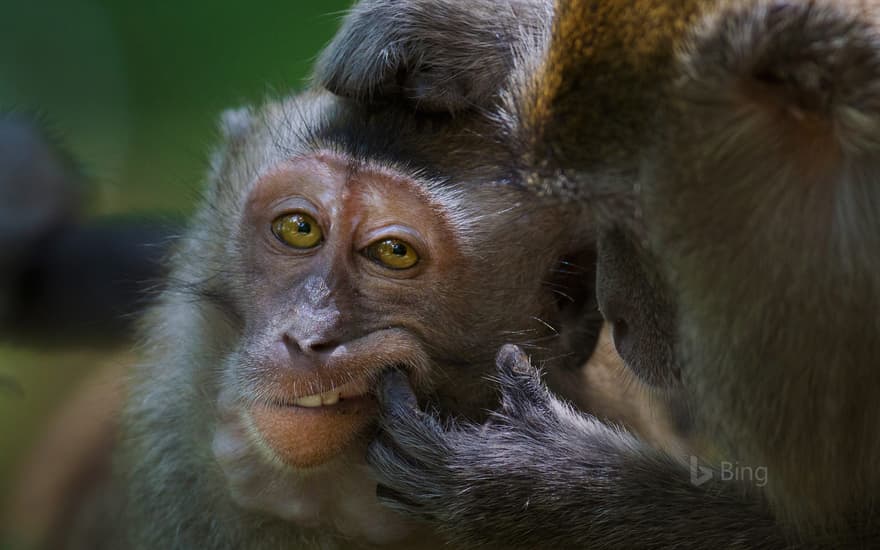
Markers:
point(522, 391)
point(398, 478)
point(389, 461)
point(400, 413)
point(512, 358)
point(418, 435)
point(370, 35)
point(394, 391)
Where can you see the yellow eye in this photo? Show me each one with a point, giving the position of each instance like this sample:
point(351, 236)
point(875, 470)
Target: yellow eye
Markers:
point(297, 230)
point(393, 254)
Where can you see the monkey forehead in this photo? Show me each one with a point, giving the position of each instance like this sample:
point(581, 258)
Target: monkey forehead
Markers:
point(374, 184)
point(334, 176)
point(308, 176)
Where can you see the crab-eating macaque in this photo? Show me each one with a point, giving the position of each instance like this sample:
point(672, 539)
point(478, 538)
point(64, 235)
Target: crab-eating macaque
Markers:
point(730, 154)
point(65, 281)
point(332, 244)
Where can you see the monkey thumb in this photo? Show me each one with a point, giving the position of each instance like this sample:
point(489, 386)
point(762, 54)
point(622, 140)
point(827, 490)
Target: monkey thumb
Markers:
point(394, 389)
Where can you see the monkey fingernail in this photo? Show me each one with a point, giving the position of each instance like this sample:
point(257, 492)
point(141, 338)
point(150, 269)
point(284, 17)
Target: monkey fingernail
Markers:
point(513, 358)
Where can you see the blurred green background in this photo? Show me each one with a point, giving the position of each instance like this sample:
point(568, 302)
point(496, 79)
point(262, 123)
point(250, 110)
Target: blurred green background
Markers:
point(134, 90)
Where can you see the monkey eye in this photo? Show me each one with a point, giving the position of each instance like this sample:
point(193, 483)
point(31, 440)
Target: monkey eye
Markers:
point(393, 254)
point(297, 230)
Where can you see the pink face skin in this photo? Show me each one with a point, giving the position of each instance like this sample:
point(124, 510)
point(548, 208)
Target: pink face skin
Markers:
point(326, 321)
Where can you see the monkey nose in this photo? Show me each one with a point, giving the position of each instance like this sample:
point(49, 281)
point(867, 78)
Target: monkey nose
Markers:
point(315, 345)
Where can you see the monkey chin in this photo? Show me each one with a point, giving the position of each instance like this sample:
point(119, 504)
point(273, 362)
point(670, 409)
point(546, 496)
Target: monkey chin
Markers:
point(308, 436)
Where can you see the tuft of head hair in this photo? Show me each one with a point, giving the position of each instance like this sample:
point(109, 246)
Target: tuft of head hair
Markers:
point(603, 64)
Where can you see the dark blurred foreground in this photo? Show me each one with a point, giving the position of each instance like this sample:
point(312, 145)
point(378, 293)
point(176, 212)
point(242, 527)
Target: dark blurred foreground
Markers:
point(65, 281)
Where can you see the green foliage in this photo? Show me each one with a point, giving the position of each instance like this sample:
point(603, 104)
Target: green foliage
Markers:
point(134, 88)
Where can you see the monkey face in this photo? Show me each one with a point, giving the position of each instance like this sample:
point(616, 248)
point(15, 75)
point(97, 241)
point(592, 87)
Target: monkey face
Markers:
point(358, 268)
point(341, 264)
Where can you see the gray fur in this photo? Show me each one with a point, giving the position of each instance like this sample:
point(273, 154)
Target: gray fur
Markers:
point(771, 247)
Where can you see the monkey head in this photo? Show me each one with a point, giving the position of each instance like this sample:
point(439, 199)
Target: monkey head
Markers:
point(335, 244)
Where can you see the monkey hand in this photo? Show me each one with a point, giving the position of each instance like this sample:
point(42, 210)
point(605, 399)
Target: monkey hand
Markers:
point(338, 495)
point(539, 474)
point(440, 55)
point(474, 482)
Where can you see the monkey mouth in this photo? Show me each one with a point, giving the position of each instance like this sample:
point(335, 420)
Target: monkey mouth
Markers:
point(307, 431)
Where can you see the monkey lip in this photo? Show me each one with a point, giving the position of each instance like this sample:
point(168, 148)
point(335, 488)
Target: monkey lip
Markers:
point(308, 431)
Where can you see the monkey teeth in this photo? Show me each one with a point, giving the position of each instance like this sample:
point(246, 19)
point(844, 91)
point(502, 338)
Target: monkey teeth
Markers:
point(328, 398)
point(355, 388)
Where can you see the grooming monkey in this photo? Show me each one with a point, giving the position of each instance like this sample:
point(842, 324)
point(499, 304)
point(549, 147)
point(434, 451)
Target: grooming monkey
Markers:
point(729, 151)
point(332, 244)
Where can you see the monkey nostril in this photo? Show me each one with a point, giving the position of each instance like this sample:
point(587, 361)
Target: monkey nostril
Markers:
point(307, 346)
point(291, 343)
point(319, 346)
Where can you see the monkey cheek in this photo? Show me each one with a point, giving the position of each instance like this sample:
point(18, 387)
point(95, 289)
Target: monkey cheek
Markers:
point(303, 438)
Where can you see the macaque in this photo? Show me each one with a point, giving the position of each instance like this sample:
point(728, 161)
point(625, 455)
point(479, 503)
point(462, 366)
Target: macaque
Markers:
point(333, 244)
point(728, 152)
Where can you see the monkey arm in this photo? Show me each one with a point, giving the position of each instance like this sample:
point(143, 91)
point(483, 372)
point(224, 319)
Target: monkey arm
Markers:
point(539, 474)
point(443, 56)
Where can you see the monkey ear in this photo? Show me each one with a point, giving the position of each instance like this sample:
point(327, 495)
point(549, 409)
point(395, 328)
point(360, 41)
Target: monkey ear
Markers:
point(235, 123)
point(234, 126)
point(809, 72)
